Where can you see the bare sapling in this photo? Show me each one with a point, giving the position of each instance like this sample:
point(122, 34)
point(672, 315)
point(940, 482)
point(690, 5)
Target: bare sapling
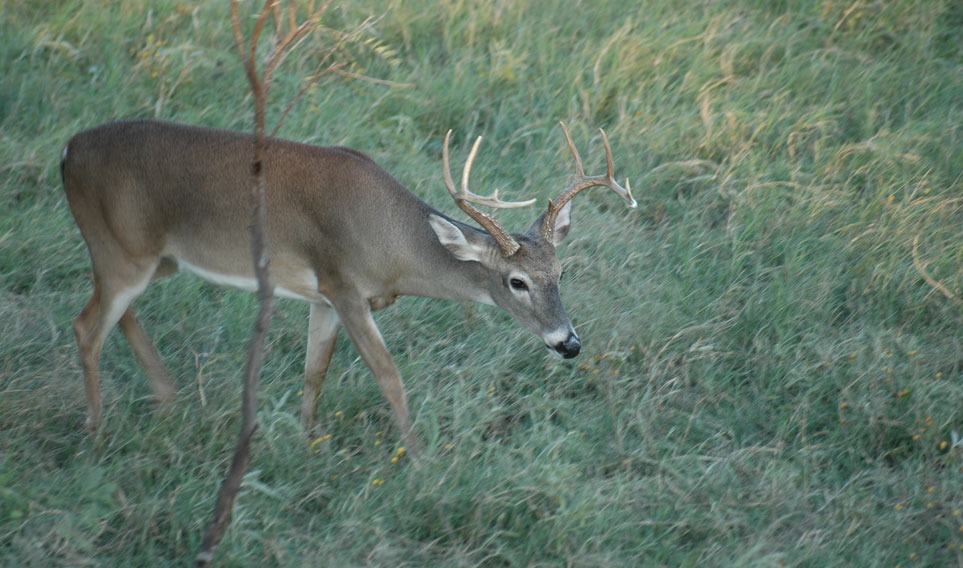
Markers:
point(281, 43)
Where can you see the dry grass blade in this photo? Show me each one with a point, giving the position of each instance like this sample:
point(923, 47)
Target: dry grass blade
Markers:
point(933, 282)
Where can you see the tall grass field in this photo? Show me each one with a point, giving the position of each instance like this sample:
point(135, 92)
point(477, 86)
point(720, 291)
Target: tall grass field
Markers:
point(772, 362)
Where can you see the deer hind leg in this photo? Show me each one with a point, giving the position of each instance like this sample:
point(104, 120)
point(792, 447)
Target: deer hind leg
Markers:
point(323, 326)
point(160, 380)
point(114, 290)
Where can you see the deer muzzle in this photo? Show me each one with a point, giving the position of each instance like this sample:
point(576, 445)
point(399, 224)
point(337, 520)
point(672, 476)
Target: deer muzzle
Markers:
point(568, 348)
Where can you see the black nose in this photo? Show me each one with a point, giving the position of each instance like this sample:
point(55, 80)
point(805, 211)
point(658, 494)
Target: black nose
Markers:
point(569, 348)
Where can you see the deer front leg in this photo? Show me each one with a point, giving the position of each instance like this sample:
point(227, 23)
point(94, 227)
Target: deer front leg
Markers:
point(359, 324)
point(322, 333)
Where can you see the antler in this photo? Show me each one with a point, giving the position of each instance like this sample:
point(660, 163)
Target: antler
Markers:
point(584, 182)
point(465, 198)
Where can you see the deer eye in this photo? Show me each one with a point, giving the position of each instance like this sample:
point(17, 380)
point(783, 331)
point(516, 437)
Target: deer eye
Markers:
point(518, 284)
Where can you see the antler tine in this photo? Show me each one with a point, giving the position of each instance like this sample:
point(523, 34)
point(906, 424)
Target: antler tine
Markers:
point(582, 182)
point(610, 176)
point(467, 169)
point(608, 156)
point(465, 198)
point(449, 183)
point(579, 172)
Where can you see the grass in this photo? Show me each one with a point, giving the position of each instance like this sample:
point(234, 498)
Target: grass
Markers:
point(767, 377)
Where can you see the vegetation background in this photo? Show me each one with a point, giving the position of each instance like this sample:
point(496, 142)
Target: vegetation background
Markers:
point(773, 350)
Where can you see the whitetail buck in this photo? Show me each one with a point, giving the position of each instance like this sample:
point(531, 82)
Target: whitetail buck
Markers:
point(342, 234)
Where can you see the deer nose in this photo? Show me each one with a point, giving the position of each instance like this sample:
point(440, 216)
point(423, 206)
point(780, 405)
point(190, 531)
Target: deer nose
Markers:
point(569, 348)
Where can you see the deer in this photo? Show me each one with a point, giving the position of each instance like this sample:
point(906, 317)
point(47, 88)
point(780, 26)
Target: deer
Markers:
point(152, 197)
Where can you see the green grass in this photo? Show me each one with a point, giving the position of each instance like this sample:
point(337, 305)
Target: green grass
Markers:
point(766, 380)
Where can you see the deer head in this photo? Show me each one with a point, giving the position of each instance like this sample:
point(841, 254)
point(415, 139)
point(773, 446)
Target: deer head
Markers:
point(523, 268)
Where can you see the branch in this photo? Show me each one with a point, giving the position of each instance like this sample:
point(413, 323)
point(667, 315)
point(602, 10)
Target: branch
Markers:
point(311, 80)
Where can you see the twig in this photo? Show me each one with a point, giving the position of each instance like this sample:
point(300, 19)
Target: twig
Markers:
point(310, 81)
point(333, 67)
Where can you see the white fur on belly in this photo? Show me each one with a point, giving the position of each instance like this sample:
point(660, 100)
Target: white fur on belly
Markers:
point(249, 283)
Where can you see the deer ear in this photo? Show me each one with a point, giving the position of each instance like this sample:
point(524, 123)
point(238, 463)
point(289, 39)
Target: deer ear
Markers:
point(563, 222)
point(465, 246)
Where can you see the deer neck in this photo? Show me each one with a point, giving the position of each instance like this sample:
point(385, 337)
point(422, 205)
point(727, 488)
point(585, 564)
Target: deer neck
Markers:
point(438, 274)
